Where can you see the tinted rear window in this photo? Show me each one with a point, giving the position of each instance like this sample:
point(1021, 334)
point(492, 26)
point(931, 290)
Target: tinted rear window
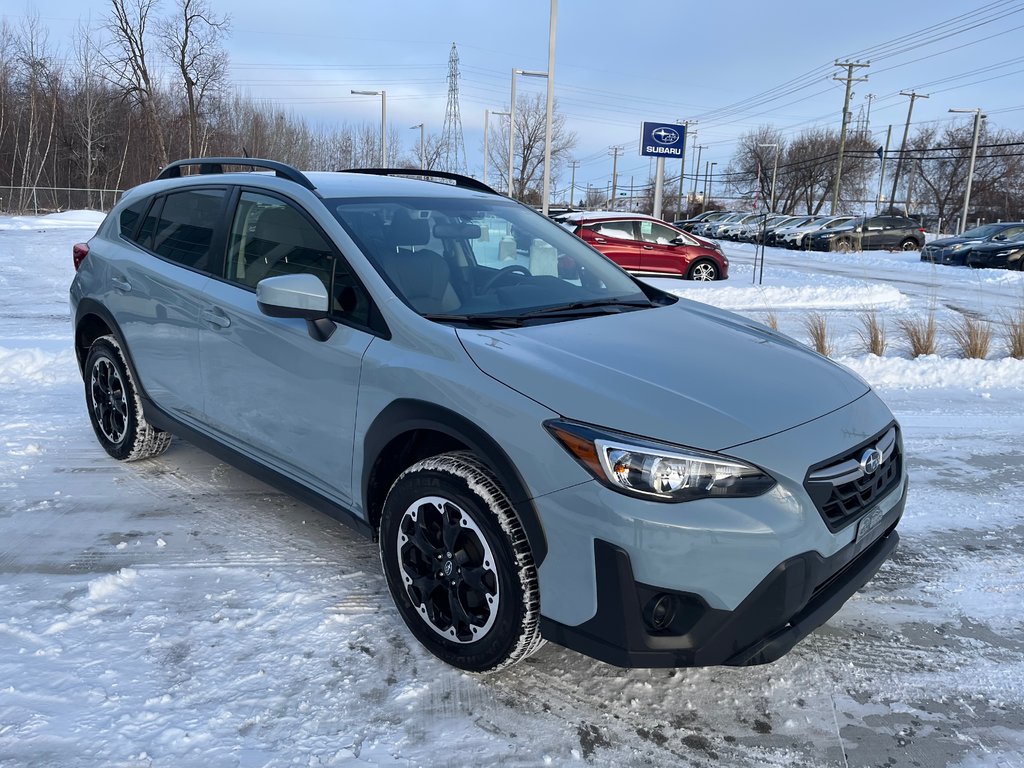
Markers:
point(187, 224)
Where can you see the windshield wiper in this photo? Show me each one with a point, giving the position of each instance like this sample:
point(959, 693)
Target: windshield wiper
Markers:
point(575, 309)
point(609, 306)
point(484, 321)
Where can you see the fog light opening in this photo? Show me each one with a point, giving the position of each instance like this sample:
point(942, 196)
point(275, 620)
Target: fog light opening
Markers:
point(659, 612)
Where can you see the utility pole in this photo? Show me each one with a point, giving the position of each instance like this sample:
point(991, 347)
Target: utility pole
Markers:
point(881, 175)
point(850, 80)
point(978, 117)
point(682, 162)
point(572, 185)
point(903, 144)
point(615, 170)
point(696, 169)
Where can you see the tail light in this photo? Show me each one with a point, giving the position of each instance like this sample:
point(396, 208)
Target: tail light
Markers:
point(78, 254)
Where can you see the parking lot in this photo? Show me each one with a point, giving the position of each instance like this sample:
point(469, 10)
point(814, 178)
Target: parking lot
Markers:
point(177, 612)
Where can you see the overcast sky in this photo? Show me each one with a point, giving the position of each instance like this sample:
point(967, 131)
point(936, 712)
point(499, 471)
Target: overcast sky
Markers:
point(730, 66)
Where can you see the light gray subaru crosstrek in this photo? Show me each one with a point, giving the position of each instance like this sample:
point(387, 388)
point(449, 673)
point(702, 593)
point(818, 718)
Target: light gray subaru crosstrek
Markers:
point(543, 446)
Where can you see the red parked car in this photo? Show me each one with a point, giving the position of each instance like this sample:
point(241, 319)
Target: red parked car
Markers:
point(648, 246)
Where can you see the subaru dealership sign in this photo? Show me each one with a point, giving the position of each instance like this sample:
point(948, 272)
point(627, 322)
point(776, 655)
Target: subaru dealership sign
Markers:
point(662, 140)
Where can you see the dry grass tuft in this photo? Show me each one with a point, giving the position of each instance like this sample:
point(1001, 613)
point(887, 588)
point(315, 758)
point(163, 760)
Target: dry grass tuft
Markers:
point(872, 333)
point(972, 336)
point(1013, 333)
point(771, 319)
point(920, 334)
point(816, 325)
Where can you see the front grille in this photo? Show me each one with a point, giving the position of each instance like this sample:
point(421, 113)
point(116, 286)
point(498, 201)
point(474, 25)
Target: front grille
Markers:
point(842, 490)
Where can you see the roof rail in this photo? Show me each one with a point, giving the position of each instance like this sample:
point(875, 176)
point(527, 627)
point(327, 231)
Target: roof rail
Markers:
point(458, 178)
point(214, 165)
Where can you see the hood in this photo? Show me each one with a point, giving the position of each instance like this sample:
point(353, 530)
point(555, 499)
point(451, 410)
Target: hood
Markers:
point(688, 374)
point(995, 246)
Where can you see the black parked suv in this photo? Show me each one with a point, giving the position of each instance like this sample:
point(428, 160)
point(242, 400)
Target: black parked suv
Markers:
point(870, 233)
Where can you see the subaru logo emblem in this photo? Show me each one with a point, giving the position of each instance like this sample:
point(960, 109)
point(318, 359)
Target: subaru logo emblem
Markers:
point(448, 568)
point(665, 135)
point(870, 461)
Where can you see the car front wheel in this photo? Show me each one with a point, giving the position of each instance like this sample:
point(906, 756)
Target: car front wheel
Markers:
point(458, 564)
point(703, 270)
point(115, 409)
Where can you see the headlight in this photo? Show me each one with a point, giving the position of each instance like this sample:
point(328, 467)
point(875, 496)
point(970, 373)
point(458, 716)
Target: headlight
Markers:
point(657, 471)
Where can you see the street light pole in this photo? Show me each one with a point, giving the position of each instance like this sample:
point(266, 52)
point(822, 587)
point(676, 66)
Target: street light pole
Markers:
point(548, 117)
point(711, 182)
point(512, 119)
point(487, 135)
point(422, 150)
point(383, 122)
point(978, 117)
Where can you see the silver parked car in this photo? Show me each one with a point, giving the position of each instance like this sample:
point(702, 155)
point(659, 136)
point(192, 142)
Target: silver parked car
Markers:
point(543, 446)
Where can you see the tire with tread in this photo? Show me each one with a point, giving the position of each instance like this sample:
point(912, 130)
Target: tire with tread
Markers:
point(115, 409)
point(909, 245)
point(458, 564)
point(705, 270)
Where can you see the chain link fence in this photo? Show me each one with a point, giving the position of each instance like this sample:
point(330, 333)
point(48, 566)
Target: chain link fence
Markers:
point(38, 200)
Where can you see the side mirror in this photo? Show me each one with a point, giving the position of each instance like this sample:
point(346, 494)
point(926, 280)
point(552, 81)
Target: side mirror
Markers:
point(678, 241)
point(999, 237)
point(302, 296)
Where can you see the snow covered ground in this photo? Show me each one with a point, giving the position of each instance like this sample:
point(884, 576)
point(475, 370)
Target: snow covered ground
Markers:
point(176, 612)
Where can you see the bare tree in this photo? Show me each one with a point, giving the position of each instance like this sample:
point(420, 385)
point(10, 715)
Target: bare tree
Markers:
point(91, 105)
point(128, 62)
point(39, 87)
point(806, 169)
point(191, 39)
point(528, 149)
point(939, 163)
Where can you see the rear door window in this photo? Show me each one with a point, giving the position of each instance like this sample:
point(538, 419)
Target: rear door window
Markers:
point(620, 230)
point(187, 224)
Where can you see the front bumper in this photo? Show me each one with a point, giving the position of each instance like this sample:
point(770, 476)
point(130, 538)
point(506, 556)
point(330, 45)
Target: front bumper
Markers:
point(948, 256)
point(795, 598)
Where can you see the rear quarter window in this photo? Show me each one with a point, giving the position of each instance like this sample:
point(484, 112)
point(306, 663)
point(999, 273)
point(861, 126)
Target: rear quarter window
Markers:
point(128, 221)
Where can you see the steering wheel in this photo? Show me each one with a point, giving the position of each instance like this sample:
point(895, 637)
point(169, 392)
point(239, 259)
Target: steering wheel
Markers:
point(502, 273)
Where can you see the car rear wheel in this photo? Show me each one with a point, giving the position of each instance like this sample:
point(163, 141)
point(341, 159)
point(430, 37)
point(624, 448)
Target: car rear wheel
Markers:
point(909, 245)
point(703, 270)
point(115, 408)
point(458, 564)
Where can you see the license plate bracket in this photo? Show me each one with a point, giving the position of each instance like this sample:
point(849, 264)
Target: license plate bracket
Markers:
point(869, 522)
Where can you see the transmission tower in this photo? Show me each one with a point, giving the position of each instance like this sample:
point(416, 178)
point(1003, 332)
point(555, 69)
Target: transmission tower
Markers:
point(453, 147)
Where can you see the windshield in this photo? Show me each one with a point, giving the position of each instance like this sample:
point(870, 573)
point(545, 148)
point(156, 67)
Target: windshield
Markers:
point(473, 259)
point(837, 222)
point(986, 230)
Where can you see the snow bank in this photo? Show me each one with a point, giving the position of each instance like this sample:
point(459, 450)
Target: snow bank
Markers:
point(71, 219)
point(826, 293)
point(36, 366)
point(933, 372)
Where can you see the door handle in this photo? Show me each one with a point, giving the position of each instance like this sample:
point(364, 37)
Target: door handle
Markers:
point(216, 317)
point(648, 247)
point(121, 284)
point(600, 240)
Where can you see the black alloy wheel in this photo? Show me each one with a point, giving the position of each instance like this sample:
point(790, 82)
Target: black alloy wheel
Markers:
point(115, 409)
point(458, 564)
